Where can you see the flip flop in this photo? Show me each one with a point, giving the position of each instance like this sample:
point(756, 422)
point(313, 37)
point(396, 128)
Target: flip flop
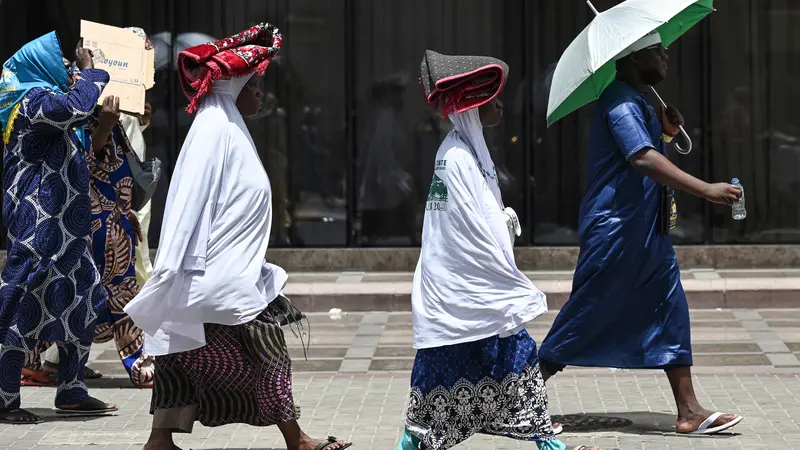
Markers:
point(34, 378)
point(332, 440)
point(28, 418)
point(89, 406)
point(558, 429)
point(704, 427)
point(91, 374)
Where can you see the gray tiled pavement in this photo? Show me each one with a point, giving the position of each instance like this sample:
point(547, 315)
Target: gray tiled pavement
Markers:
point(355, 386)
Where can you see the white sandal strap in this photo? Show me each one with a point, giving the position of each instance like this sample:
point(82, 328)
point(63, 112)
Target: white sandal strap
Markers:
point(709, 421)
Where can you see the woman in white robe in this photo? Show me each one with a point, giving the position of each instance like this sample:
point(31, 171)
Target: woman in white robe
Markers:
point(220, 353)
point(476, 369)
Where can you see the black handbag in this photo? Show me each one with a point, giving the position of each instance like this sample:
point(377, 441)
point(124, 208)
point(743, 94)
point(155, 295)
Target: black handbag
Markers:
point(284, 311)
point(145, 176)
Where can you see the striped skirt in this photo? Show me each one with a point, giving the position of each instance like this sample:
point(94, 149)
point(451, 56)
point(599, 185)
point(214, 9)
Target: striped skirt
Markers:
point(242, 375)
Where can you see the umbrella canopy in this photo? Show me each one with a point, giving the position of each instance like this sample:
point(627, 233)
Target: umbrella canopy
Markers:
point(588, 65)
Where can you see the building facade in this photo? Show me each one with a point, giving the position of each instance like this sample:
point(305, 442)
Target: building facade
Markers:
point(349, 143)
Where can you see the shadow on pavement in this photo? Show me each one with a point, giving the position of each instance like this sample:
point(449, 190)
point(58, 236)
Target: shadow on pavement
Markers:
point(635, 422)
point(111, 383)
point(50, 415)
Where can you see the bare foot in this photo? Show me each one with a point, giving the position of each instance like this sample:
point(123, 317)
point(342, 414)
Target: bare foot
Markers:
point(333, 444)
point(160, 439)
point(159, 446)
point(692, 423)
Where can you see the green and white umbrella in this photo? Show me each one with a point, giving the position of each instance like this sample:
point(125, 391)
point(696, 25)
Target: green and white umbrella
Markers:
point(588, 65)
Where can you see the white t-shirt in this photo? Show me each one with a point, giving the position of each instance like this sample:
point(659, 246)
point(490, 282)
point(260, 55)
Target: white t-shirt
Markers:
point(467, 286)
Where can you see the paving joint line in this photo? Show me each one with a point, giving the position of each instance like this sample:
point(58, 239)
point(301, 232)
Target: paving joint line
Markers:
point(773, 347)
point(362, 349)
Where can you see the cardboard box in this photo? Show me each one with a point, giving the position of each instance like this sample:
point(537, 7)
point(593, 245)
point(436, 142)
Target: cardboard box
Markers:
point(123, 55)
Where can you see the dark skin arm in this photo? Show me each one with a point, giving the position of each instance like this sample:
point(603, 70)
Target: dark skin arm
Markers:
point(137, 228)
point(109, 117)
point(656, 166)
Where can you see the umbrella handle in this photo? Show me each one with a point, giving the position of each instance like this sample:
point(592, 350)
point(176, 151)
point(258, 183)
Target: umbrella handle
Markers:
point(688, 149)
point(680, 149)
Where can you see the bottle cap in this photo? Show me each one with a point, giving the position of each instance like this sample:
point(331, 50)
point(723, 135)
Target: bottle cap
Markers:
point(735, 181)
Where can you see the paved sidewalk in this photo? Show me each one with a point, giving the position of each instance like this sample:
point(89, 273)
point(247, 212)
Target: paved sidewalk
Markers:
point(355, 386)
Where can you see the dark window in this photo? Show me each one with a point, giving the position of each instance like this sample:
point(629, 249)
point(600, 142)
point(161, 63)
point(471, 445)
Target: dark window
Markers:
point(349, 142)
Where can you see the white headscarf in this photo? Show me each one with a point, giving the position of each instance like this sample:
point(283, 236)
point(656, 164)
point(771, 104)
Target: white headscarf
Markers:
point(469, 128)
point(210, 266)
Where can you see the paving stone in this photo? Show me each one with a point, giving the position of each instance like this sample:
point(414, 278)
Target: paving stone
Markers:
point(732, 360)
point(360, 353)
point(783, 360)
point(773, 347)
point(363, 398)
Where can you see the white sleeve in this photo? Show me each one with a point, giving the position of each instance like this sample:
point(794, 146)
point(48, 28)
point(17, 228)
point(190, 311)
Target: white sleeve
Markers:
point(182, 247)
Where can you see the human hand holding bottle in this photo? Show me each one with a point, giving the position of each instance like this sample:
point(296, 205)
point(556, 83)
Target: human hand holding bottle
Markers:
point(722, 193)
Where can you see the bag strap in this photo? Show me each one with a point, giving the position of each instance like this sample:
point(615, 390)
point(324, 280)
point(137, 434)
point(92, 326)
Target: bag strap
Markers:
point(485, 173)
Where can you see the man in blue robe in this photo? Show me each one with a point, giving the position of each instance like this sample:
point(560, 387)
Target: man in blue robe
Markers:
point(628, 308)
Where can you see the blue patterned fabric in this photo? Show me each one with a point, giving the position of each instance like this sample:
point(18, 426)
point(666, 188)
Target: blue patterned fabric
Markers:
point(49, 288)
point(71, 388)
point(113, 244)
point(627, 308)
point(410, 442)
point(492, 386)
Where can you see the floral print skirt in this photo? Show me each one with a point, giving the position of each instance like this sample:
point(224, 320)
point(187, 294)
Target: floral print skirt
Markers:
point(492, 386)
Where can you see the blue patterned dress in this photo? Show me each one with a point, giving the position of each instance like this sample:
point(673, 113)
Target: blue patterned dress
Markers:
point(492, 386)
point(50, 289)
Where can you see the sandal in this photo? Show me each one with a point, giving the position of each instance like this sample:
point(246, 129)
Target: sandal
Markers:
point(332, 440)
point(19, 417)
point(50, 368)
point(91, 374)
point(707, 427)
point(89, 406)
point(36, 378)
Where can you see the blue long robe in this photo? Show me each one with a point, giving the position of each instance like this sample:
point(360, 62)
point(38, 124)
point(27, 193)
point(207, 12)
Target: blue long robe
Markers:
point(627, 308)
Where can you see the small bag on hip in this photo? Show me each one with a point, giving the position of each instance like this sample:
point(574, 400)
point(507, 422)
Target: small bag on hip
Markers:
point(668, 211)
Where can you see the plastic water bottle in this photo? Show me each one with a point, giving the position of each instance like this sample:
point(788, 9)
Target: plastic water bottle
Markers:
point(739, 212)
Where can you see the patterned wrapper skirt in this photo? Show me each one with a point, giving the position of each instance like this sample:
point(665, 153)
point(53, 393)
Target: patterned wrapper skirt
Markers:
point(242, 375)
point(492, 386)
